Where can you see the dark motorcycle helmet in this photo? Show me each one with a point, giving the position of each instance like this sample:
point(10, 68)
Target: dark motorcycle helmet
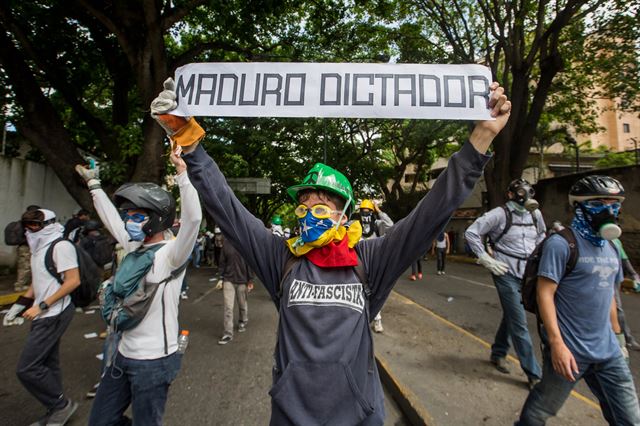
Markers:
point(595, 187)
point(158, 203)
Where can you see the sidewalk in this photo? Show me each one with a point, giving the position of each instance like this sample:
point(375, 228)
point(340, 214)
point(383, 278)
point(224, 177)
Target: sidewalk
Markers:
point(448, 371)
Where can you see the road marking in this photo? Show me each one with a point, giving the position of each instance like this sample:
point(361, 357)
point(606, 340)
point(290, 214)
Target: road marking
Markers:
point(470, 281)
point(206, 293)
point(408, 301)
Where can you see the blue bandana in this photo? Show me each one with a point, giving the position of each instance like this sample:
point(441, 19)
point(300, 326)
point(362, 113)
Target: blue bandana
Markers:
point(311, 228)
point(582, 224)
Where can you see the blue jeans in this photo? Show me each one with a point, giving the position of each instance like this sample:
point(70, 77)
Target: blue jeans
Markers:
point(513, 326)
point(142, 383)
point(610, 381)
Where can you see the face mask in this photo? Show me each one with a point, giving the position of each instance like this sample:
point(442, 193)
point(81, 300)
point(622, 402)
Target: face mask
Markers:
point(312, 228)
point(603, 218)
point(134, 229)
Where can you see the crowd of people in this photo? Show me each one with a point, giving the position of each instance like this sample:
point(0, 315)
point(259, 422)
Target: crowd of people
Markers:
point(328, 280)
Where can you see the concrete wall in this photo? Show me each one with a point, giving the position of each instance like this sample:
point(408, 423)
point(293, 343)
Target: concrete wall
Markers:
point(23, 183)
point(552, 195)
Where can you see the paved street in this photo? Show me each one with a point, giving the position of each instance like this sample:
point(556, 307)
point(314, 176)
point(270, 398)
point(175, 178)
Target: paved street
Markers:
point(228, 384)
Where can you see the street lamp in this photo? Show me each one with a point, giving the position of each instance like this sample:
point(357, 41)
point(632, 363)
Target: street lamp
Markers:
point(635, 149)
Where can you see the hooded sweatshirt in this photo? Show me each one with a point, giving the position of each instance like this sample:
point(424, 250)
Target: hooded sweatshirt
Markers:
point(324, 370)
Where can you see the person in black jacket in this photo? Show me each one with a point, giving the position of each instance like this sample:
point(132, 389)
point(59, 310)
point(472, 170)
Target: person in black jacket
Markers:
point(236, 279)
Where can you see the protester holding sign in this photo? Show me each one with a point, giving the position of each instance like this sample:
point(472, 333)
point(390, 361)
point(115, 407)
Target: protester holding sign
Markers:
point(328, 282)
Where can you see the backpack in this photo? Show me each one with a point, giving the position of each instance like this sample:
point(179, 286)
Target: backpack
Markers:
point(530, 277)
point(14, 234)
point(100, 248)
point(509, 223)
point(127, 298)
point(90, 275)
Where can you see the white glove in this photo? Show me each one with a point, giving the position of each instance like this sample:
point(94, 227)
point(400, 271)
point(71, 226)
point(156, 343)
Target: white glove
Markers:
point(494, 266)
point(219, 285)
point(90, 176)
point(162, 106)
point(622, 341)
point(12, 318)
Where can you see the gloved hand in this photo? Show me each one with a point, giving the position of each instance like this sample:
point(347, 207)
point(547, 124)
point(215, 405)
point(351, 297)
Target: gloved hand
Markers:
point(90, 176)
point(623, 346)
point(219, 285)
point(494, 266)
point(11, 317)
point(636, 286)
point(184, 131)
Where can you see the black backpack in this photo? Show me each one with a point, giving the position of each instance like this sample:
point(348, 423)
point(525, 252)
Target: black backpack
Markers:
point(14, 234)
point(90, 275)
point(530, 277)
point(509, 224)
point(100, 248)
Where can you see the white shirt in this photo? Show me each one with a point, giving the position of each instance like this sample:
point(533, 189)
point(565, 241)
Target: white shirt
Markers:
point(146, 341)
point(519, 241)
point(44, 284)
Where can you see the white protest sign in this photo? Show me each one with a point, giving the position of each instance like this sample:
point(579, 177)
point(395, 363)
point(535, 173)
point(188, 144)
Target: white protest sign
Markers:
point(356, 90)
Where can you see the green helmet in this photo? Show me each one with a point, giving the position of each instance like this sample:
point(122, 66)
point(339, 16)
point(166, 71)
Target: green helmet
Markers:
point(321, 176)
point(276, 220)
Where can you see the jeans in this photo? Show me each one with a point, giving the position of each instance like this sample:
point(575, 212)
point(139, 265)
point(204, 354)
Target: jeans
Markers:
point(610, 381)
point(513, 326)
point(441, 254)
point(232, 292)
point(39, 364)
point(142, 383)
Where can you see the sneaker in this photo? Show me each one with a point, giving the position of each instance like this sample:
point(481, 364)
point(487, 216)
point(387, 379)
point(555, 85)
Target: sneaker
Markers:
point(92, 393)
point(441, 272)
point(500, 364)
point(61, 416)
point(183, 295)
point(225, 339)
point(242, 327)
point(419, 275)
point(533, 381)
point(412, 277)
point(377, 326)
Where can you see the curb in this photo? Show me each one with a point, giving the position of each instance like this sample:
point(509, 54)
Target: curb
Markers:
point(414, 411)
point(8, 299)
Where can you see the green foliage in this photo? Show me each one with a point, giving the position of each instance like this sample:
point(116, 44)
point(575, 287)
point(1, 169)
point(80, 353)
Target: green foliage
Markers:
point(616, 159)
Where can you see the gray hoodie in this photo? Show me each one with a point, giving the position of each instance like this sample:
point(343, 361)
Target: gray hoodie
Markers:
point(324, 370)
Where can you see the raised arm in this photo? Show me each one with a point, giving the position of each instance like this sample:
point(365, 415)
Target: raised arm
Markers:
point(190, 215)
point(106, 210)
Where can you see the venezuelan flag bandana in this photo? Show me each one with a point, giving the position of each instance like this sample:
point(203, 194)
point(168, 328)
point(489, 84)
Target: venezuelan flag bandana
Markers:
point(333, 248)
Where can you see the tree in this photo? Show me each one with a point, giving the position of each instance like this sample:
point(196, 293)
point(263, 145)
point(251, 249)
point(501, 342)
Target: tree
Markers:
point(527, 44)
point(83, 73)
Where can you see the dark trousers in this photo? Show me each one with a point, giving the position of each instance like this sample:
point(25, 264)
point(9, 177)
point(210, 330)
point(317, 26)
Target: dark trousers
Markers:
point(142, 383)
point(39, 364)
point(441, 254)
point(416, 267)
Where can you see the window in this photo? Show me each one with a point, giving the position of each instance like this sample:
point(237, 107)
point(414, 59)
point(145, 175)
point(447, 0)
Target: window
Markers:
point(626, 128)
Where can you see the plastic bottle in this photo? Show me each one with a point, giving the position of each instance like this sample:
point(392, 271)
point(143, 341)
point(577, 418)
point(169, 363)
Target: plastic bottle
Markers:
point(183, 341)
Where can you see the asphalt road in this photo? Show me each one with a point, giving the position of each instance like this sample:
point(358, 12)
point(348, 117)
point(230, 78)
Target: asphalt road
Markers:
point(217, 385)
point(467, 297)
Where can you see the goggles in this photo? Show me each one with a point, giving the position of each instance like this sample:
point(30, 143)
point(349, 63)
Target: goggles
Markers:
point(136, 217)
point(319, 211)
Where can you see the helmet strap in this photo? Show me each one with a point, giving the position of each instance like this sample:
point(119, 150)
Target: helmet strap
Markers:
point(342, 213)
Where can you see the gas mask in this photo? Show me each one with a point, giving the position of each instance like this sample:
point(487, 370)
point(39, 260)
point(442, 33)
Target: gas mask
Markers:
point(523, 196)
point(603, 218)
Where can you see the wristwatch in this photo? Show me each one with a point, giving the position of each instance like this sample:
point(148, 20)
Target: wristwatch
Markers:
point(43, 306)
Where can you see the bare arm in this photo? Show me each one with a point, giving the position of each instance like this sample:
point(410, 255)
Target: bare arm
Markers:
point(613, 314)
point(70, 283)
point(561, 357)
